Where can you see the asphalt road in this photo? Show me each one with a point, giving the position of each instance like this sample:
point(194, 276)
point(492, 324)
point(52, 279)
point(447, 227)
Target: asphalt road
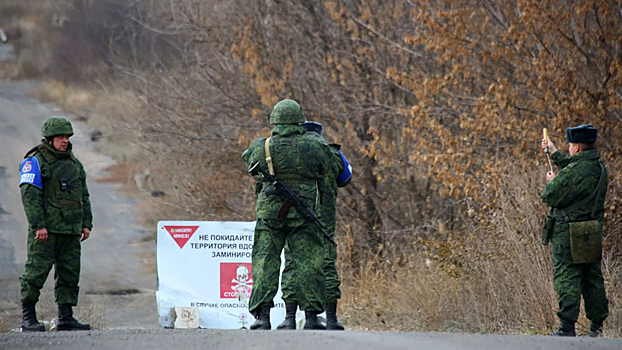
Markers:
point(118, 279)
point(299, 340)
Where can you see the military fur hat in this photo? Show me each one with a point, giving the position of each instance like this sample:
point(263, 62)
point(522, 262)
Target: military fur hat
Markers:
point(582, 134)
point(312, 127)
point(287, 112)
point(56, 126)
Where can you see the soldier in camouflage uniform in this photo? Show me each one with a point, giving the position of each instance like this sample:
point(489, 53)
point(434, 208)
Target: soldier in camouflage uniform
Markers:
point(339, 176)
point(300, 162)
point(57, 205)
point(576, 196)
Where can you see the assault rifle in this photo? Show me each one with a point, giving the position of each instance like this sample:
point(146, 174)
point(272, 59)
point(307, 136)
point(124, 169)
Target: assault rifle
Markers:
point(284, 191)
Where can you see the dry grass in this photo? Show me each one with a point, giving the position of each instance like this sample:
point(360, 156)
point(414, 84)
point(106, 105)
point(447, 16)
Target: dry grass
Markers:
point(66, 96)
point(500, 283)
point(106, 107)
point(5, 325)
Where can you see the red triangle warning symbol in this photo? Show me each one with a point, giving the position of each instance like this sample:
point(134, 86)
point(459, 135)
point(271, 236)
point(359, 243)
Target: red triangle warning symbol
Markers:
point(181, 234)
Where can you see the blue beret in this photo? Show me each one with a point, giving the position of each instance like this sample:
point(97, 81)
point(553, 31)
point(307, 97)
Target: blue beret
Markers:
point(582, 134)
point(312, 126)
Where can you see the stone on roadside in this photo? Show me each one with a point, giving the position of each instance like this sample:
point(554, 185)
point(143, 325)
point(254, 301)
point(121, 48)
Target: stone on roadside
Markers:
point(186, 317)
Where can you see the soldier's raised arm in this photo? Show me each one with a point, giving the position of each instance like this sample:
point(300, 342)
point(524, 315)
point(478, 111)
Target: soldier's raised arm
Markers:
point(559, 158)
point(563, 189)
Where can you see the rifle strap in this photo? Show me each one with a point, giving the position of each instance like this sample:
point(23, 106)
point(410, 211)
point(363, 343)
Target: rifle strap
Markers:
point(268, 157)
point(282, 214)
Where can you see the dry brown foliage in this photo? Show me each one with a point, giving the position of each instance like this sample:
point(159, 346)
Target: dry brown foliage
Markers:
point(438, 104)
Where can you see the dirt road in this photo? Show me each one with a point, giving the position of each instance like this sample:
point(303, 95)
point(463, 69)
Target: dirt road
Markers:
point(118, 276)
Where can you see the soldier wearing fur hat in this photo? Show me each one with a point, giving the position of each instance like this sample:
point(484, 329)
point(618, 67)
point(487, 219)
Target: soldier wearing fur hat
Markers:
point(576, 196)
point(57, 205)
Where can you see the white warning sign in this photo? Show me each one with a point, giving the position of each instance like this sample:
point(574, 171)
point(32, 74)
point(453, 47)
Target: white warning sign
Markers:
point(207, 265)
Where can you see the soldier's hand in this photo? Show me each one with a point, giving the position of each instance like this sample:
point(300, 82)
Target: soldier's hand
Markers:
point(42, 235)
point(86, 233)
point(550, 176)
point(548, 143)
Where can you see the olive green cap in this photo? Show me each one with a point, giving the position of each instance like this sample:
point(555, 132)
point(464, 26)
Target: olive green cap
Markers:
point(287, 112)
point(56, 126)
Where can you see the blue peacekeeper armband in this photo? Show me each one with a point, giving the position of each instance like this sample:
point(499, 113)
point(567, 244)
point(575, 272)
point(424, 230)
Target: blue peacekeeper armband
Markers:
point(347, 172)
point(31, 173)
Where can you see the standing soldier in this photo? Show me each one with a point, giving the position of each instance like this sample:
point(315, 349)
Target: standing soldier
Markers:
point(56, 202)
point(338, 176)
point(300, 162)
point(576, 196)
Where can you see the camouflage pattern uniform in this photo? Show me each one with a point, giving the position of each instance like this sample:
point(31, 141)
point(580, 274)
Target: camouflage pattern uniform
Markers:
point(328, 215)
point(62, 206)
point(64, 214)
point(290, 149)
point(576, 180)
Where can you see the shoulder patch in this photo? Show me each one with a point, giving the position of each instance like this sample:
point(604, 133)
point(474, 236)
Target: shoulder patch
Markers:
point(30, 173)
point(347, 172)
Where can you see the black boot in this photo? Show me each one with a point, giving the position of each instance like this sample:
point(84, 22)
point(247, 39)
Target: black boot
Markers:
point(29, 318)
point(290, 316)
point(66, 322)
point(566, 329)
point(311, 321)
point(596, 328)
point(262, 319)
point(331, 318)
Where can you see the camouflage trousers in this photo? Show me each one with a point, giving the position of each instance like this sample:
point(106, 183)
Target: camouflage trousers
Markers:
point(307, 259)
point(62, 251)
point(330, 271)
point(572, 281)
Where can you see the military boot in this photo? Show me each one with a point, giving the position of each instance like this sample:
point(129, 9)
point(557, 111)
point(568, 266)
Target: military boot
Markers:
point(66, 322)
point(290, 316)
point(263, 319)
point(29, 318)
point(566, 329)
point(331, 318)
point(311, 321)
point(596, 328)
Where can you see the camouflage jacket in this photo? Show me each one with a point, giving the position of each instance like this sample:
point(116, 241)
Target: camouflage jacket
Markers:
point(576, 180)
point(300, 161)
point(63, 210)
point(329, 186)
